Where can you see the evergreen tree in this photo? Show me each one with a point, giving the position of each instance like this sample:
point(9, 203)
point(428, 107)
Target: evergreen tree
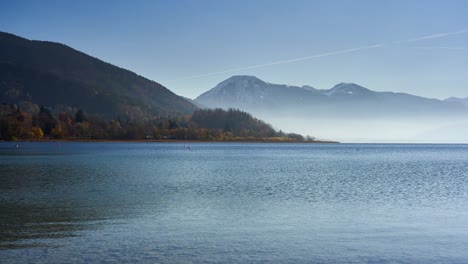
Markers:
point(80, 116)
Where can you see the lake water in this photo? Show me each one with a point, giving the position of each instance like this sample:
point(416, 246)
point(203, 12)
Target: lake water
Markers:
point(220, 202)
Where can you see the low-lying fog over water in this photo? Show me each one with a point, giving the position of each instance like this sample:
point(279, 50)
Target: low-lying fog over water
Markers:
point(378, 130)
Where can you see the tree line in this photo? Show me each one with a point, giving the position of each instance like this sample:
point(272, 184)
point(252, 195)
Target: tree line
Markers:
point(203, 124)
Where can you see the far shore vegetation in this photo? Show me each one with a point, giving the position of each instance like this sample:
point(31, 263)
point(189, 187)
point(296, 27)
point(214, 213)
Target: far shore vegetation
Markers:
point(42, 124)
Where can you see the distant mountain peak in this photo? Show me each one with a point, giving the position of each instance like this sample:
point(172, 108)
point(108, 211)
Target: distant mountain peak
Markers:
point(243, 77)
point(349, 85)
point(348, 88)
point(246, 79)
point(309, 88)
point(242, 87)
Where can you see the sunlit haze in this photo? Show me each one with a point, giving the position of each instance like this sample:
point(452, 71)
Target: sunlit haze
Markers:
point(414, 47)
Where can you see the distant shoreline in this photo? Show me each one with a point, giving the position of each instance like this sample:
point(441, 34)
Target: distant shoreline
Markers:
point(171, 141)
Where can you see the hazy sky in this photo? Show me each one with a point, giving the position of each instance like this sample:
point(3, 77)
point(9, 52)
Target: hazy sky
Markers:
point(170, 41)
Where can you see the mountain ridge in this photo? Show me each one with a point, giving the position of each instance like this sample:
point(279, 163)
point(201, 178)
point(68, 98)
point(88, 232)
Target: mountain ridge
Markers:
point(459, 100)
point(49, 73)
point(252, 94)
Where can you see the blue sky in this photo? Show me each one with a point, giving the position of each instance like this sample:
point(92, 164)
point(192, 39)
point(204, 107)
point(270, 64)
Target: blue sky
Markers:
point(172, 41)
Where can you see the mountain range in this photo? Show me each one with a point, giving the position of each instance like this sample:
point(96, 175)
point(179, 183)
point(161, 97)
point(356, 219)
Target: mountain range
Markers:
point(57, 76)
point(346, 112)
point(343, 100)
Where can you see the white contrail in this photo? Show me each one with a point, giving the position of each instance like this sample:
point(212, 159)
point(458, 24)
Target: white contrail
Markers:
point(434, 36)
point(440, 35)
point(439, 48)
point(283, 61)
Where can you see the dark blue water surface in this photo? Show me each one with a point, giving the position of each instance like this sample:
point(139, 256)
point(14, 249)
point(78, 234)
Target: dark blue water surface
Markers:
point(220, 202)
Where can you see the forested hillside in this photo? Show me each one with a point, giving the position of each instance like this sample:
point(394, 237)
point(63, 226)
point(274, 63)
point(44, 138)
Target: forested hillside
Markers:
point(210, 125)
point(59, 77)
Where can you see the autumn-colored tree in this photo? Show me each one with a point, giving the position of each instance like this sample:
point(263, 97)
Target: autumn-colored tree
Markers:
point(12, 125)
point(36, 132)
point(57, 132)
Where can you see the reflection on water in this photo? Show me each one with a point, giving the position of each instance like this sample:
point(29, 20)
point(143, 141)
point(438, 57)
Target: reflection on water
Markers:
point(36, 225)
point(48, 194)
point(40, 205)
point(155, 202)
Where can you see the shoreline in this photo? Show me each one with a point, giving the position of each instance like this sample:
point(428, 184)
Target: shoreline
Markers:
point(171, 141)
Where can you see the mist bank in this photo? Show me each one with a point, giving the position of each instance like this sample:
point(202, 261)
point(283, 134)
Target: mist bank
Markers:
point(368, 130)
